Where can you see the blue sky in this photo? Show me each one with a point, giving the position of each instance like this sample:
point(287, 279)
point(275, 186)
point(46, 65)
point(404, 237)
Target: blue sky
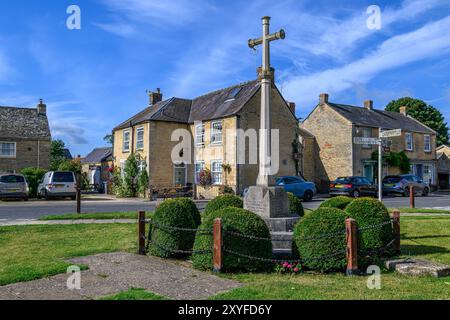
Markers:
point(94, 78)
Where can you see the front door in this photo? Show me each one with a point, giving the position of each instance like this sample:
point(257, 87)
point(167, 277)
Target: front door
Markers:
point(419, 171)
point(368, 171)
point(180, 174)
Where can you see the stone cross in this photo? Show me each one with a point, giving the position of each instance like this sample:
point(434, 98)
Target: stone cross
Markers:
point(265, 151)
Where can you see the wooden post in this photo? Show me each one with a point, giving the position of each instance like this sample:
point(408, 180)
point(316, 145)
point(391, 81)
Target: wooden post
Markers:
point(218, 245)
point(412, 200)
point(78, 195)
point(352, 246)
point(141, 233)
point(396, 226)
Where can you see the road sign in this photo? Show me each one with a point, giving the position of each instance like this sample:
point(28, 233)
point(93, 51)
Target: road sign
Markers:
point(391, 133)
point(364, 140)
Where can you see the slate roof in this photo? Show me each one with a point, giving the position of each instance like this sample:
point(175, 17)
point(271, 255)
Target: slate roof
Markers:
point(23, 123)
point(214, 105)
point(98, 155)
point(379, 118)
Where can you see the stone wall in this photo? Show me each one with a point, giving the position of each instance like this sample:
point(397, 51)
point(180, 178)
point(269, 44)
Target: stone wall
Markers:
point(29, 153)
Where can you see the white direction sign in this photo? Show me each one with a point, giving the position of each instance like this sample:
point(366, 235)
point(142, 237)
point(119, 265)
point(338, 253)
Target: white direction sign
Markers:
point(391, 133)
point(364, 140)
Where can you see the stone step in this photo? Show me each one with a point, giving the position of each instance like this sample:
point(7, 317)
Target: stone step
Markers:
point(282, 240)
point(285, 224)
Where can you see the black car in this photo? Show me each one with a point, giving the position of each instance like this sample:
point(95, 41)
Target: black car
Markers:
point(353, 187)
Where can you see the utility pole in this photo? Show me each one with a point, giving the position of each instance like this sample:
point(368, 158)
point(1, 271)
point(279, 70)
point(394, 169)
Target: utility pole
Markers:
point(380, 166)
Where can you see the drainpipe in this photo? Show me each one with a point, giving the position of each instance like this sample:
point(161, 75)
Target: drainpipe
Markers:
point(38, 153)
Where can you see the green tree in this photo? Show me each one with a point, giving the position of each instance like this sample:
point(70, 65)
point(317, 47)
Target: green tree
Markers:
point(33, 176)
point(425, 113)
point(57, 154)
point(143, 182)
point(70, 165)
point(109, 138)
point(131, 173)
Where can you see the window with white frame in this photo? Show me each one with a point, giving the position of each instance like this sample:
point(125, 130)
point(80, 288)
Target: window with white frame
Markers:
point(409, 141)
point(200, 135)
point(142, 165)
point(427, 143)
point(126, 141)
point(199, 167)
point(216, 172)
point(140, 138)
point(216, 132)
point(7, 149)
point(367, 133)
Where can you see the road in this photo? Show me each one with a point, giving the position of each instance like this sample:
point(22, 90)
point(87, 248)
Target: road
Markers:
point(32, 210)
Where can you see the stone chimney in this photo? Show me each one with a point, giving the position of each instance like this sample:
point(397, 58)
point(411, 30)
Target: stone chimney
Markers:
point(261, 75)
point(403, 111)
point(292, 106)
point(155, 97)
point(368, 104)
point(42, 108)
point(323, 98)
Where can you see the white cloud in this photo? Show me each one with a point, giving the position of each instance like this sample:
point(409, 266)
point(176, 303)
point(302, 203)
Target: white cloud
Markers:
point(426, 42)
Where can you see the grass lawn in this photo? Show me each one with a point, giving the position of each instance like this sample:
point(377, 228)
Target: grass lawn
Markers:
point(33, 252)
point(97, 216)
point(422, 237)
point(134, 294)
point(419, 210)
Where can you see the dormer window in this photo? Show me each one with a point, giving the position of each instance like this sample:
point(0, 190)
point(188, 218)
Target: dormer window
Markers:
point(233, 94)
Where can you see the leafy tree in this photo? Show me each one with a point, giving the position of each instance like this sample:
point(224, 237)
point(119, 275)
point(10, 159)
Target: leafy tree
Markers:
point(33, 176)
point(425, 113)
point(70, 165)
point(131, 173)
point(109, 138)
point(143, 182)
point(57, 155)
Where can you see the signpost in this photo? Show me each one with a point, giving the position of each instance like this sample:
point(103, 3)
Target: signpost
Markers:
point(382, 144)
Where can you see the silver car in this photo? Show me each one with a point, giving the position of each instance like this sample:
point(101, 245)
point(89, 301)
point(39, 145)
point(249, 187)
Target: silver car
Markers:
point(58, 184)
point(13, 186)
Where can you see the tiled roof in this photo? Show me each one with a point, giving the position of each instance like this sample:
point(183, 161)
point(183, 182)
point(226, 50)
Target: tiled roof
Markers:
point(98, 155)
point(215, 105)
point(23, 123)
point(379, 118)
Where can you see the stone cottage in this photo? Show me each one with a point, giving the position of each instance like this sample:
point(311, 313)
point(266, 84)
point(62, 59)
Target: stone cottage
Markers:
point(332, 153)
point(213, 121)
point(24, 138)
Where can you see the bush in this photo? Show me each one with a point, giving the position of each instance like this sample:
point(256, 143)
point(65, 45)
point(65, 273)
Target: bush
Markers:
point(222, 202)
point(367, 212)
point(190, 207)
point(33, 176)
point(340, 202)
point(295, 205)
point(171, 213)
point(239, 221)
point(315, 225)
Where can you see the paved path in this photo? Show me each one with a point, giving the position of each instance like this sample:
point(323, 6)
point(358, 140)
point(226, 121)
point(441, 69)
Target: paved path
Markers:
point(113, 273)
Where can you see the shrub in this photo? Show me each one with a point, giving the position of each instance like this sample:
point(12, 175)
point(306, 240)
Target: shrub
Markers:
point(238, 221)
point(190, 207)
point(33, 176)
point(222, 202)
point(143, 182)
point(171, 213)
point(295, 205)
point(367, 212)
point(315, 225)
point(340, 202)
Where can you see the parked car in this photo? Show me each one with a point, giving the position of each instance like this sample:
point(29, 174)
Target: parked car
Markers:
point(298, 186)
point(58, 184)
point(353, 187)
point(13, 186)
point(401, 185)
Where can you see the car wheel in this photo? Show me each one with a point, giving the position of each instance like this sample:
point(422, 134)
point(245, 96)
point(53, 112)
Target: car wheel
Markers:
point(308, 196)
point(425, 192)
point(356, 193)
point(73, 198)
point(25, 199)
point(46, 196)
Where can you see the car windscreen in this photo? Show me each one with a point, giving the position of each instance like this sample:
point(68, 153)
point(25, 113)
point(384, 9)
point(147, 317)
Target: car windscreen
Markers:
point(12, 179)
point(63, 177)
point(392, 180)
point(344, 180)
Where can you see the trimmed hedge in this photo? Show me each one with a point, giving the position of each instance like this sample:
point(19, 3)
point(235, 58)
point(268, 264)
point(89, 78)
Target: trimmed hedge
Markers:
point(340, 202)
point(295, 205)
point(171, 213)
point(224, 201)
point(315, 225)
point(239, 221)
point(367, 212)
point(192, 209)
